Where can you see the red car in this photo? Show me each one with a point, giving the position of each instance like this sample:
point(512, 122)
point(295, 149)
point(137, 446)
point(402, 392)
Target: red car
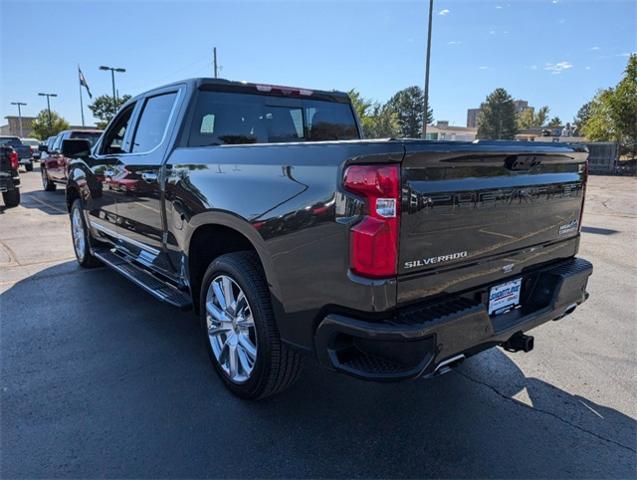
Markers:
point(53, 164)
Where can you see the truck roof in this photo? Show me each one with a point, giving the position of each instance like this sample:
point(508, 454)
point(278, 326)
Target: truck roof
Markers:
point(221, 84)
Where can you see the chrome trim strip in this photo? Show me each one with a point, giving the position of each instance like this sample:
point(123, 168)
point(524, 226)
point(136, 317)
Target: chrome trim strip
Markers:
point(119, 236)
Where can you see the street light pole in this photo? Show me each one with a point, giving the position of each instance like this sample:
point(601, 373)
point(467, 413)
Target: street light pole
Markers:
point(19, 104)
point(48, 106)
point(426, 106)
point(113, 70)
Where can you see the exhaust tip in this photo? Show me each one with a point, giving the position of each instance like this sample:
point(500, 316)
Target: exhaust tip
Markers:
point(570, 309)
point(447, 365)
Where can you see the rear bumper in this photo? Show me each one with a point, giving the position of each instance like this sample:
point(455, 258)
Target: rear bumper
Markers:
point(418, 340)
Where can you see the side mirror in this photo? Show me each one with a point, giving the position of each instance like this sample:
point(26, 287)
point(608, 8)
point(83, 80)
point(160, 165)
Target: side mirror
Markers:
point(43, 148)
point(76, 148)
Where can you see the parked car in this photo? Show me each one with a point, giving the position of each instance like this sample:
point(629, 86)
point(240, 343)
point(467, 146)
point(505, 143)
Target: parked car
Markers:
point(24, 151)
point(9, 176)
point(53, 165)
point(261, 208)
point(34, 145)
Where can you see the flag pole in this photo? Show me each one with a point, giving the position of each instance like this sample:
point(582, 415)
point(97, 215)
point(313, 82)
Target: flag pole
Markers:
point(81, 101)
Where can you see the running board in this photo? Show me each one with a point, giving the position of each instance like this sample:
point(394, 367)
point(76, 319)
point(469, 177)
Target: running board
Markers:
point(158, 289)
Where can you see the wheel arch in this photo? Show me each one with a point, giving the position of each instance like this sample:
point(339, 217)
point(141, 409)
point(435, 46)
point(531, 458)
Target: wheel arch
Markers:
point(211, 234)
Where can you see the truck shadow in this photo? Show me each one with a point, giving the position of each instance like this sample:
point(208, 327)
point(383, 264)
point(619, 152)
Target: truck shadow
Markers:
point(106, 381)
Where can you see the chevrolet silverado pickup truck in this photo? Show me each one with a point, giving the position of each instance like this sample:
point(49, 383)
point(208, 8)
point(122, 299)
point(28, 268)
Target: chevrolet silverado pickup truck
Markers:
point(54, 165)
point(262, 209)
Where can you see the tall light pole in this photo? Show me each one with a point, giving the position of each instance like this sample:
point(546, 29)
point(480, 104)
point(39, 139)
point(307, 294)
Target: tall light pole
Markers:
point(19, 104)
point(426, 106)
point(214, 60)
point(113, 70)
point(48, 106)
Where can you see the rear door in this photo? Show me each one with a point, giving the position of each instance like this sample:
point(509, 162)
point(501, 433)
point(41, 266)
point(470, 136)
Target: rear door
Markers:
point(463, 203)
point(138, 180)
point(53, 161)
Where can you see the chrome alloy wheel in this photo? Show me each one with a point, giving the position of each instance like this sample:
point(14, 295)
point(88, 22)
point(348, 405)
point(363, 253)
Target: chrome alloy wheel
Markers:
point(77, 232)
point(231, 330)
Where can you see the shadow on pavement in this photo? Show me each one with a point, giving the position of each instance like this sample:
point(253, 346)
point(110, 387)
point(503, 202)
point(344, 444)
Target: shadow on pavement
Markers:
point(101, 380)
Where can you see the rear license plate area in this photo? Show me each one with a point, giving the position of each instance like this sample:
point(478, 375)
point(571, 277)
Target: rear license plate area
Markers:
point(504, 297)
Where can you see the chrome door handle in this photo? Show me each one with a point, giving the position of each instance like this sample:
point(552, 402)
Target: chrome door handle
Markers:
point(149, 176)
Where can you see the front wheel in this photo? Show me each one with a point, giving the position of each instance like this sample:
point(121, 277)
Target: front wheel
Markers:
point(11, 198)
point(79, 234)
point(240, 331)
point(47, 184)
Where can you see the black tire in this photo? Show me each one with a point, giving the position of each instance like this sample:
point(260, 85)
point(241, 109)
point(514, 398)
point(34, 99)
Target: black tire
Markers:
point(84, 258)
point(11, 198)
point(29, 167)
point(277, 366)
point(47, 184)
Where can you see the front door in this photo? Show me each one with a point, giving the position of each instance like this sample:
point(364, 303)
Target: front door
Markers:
point(139, 193)
point(105, 163)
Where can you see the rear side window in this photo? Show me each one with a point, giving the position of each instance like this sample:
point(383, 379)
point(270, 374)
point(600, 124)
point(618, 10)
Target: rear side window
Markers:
point(153, 122)
point(233, 118)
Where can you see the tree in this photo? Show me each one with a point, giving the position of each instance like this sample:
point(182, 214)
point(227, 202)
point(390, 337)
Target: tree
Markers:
point(44, 129)
point(376, 120)
point(408, 105)
point(583, 114)
point(529, 119)
point(555, 122)
point(104, 108)
point(496, 120)
point(613, 112)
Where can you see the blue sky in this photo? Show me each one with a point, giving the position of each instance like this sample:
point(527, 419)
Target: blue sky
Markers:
point(549, 52)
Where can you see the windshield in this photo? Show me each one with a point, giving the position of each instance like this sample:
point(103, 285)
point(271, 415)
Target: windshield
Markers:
point(31, 142)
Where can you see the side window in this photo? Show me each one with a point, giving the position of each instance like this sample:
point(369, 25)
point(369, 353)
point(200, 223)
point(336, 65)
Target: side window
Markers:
point(113, 142)
point(284, 124)
point(57, 143)
point(153, 122)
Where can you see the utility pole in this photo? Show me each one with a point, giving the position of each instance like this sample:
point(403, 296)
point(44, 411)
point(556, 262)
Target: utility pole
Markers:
point(48, 106)
point(19, 104)
point(113, 70)
point(424, 120)
point(214, 61)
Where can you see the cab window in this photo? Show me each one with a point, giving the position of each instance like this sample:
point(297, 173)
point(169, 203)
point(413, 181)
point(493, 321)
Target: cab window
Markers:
point(113, 142)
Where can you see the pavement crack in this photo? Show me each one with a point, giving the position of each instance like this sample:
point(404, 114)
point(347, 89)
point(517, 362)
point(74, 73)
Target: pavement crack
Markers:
point(546, 412)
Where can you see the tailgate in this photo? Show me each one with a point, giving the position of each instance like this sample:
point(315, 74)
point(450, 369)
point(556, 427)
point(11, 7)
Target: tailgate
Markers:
point(469, 202)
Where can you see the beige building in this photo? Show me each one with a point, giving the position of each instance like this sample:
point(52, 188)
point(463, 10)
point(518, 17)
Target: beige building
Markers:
point(443, 131)
point(13, 126)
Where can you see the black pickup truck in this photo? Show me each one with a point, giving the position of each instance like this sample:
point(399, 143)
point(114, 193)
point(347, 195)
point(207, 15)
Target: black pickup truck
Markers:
point(261, 208)
point(9, 176)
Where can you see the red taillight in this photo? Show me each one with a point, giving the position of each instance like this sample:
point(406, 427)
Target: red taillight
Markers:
point(13, 160)
point(374, 240)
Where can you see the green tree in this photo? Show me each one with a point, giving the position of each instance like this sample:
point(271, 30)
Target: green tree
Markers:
point(104, 108)
point(408, 105)
point(496, 120)
point(555, 122)
point(376, 120)
point(43, 128)
point(613, 112)
point(529, 119)
point(583, 114)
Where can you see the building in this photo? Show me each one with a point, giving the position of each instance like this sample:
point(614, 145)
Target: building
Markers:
point(443, 131)
point(13, 126)
point(472, 113)
point(472, 117)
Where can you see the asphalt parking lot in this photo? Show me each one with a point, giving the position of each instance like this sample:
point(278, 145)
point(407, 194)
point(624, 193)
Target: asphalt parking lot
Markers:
point(98, 379)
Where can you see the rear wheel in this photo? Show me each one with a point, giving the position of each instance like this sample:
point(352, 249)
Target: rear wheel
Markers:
point(79, 234)
point(240, 331)
point(47, 184)
point(11, 198)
